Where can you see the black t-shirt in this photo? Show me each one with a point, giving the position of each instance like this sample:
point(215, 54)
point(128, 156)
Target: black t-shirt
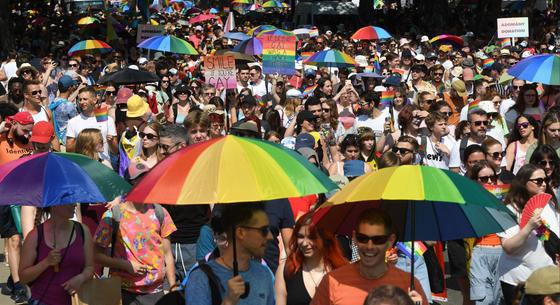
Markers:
point(506, 176)
point(188, 219)
point(280, 216)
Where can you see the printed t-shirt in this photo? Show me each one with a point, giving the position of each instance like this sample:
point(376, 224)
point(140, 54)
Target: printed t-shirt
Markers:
point(140, 240)
point(13, 151)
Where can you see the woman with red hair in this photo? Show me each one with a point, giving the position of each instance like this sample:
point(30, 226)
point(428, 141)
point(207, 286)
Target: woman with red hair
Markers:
point(313, 253)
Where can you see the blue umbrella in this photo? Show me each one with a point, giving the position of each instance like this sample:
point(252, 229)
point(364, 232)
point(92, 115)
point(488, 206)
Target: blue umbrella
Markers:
point(236, 36)
point(251, 46)
point(543, 69)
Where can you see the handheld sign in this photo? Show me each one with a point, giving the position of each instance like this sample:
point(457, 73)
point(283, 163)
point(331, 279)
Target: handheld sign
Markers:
point(279, 54)
point(219, 71)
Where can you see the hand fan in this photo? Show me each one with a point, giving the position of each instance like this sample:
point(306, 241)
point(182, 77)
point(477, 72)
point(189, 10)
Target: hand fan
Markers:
point(536, 202)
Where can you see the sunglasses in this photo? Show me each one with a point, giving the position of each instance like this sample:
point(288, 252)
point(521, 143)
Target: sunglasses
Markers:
point(540, 181)
point(517, 87)
point(402, 151)
point(376, 240)
point(438, 74)
point(165, 81)
point(429, 102)
point(34, 92)
point(148, 136)
point(263, 230)
point(110, 92)
point(447, 114)
point(497, 155)
point(544, 163)
point(479, 123)
point(523, 125)
point(73, 65)
point(488, 179)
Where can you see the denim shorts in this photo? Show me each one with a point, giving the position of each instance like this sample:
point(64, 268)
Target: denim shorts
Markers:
point(484, 277)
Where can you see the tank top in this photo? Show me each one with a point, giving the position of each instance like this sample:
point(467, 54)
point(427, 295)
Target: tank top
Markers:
point(295, 288)
point(519, 156)
point(39, 116)
point(72, 265)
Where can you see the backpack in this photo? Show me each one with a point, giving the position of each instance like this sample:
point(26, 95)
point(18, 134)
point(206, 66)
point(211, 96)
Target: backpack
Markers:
point(116, 219)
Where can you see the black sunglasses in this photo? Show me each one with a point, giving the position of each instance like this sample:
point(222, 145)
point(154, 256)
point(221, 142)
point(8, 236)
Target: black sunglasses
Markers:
point(540, 181)
point(263, 230)
point(523, 125)
point(497, 155)
point(376, 240)
point(447, 114)
point(544, 163)
point(478, 123)
point(148, 136)
point(402, 151)
point(488, 179)
point(110, 92)
point(34, 92)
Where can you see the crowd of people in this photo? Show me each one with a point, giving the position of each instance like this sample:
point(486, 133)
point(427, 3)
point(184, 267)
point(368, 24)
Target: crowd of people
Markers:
point(406, 102)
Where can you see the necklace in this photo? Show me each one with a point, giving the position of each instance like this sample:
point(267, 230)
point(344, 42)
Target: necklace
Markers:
point(311, 275)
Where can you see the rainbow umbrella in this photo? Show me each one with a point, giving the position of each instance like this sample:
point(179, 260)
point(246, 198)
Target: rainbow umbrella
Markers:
point(256, 30)
point(371, 33)
point(455, 41)
point(241, 2)
point(89, 46)
point(168, 43)
point(251, 46)
point(425, 203)
point(276, 32)
point(330, 58)
point(202, 18)
point(87, 21)
point(49, 179)
point(544, 68)
point(274, 4)
point(230, 169)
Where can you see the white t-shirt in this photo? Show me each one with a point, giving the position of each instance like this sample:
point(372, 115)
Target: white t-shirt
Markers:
point(455, 158)
point(506, 105)
point(81, 122)
point(375, 124)
point(516, 268)
point(434, 157)
point(260, 89)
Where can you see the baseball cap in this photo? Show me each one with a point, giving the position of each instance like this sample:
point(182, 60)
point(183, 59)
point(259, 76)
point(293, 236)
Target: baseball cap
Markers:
point(42, 132)
point(305, 115)
point(23, 117)
point(142, 60)
point(394, 81)
point(419, 57)
point(431, 54)
point(136, 107)
point(467, 63)
point(293, 93)
point(65, 82)
point(305, 140)
point(123, 95)
point(543, 281)
point(182, 88)
point(459, 86)
point(424, 39)
point(487, 106)
point(198, 28)
point(310, 72)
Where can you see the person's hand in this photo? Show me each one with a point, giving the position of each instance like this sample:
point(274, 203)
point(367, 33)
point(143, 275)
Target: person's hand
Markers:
point(3, 127)
point(443, 148)
point(53, 258)
point(299, 108)
point(135, 268)
point(391, 256)
point(421, 113)
point(415, 296)
point(113, 203)
point(536, 220)
point(236, 288)
point(73, 285)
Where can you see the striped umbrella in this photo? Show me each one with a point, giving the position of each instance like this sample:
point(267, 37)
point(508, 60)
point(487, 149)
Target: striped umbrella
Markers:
point(89, 46)
point(168, 43)
point(87, 20)
point(544, 68)
point(241, 2)
point(230, 169)
point(330, 58)
point(455, 41)
point(251, 46)
point(256, 30)
point(371, 33)
point(276, 32)
point(274, 4)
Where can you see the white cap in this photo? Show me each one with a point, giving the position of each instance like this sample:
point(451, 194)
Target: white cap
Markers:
point(379, 89)
point(505, 52)
point(487, 106)
point(419, 57)
point(456, 71)
point(293, 93)
point(142, 60)
point(329, 32)
point(480, 55)
point(424, 39)
point(403, 41)
point(523, 43)
point(198, 28)
point(173, 71)
point(133, 67)
point(526, 54)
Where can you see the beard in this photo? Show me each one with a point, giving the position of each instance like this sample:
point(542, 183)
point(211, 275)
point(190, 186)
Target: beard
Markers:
point(16, 98)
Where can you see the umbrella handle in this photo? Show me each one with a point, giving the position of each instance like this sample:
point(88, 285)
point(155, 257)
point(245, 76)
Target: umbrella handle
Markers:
point(413, 230)
point(236, 266)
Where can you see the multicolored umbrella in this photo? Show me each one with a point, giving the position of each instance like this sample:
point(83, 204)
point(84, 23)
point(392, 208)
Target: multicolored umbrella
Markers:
point(89, 46)
point(455, 41)
point(544, 68)
point(371, 33)
point(241, 2)
point(330, 58)
point(256, 30)
point(230, 169)
point(87, 21)
point(276, 32)
point(251, 46)
point(274, 4)
point(49, 179)
point(168, 43)
point(202, 18)
point(236, 36)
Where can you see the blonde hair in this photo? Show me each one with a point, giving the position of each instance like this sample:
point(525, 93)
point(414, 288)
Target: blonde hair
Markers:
point(86, 143)
point(291, 105)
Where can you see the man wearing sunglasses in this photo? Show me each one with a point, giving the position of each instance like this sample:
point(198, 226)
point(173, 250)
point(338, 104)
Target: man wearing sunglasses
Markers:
point(373, 234)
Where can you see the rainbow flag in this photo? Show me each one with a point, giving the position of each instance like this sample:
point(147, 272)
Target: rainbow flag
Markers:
point(505, 42)
point(387, 97)
point(101, 114)
point(400, 71)
point(473, 105)
point(406, 248)
point(369, 69)
point(487, 63)
point(309, 90)
point(314, 32)
point(499, 190)
point(376, 64)
point(305, 55)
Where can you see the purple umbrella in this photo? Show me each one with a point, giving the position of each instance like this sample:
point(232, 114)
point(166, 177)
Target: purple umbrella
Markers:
point(251, 46)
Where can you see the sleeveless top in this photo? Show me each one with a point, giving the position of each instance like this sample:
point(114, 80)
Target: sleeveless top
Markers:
point(295, 288)
point(72, 265)
point(519, 158)
point(39, 116)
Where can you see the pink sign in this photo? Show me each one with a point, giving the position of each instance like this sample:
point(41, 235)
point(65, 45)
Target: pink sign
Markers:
point(219, 70)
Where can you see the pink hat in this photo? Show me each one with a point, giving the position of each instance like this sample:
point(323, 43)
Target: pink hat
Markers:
point(123, 95)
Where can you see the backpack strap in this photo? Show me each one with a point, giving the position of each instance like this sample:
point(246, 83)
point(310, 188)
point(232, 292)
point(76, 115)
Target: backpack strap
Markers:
point(80, 230)
point(115, 221)
point(175, 112)
point(463, 146)
point(213, 281)
point(514, 155)
point(40, 236)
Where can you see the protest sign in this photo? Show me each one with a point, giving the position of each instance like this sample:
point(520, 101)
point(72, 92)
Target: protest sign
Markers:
point(513, 27)
point(279, 54)
point(146, 31)
point(219, 71)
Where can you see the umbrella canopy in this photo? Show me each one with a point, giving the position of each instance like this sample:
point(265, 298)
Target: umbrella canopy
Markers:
point(239, 57)
point(371, 33)
point(455, 41)
point(251, 46)
point(87, 20)
point(230, 169)
point(330, 58)
point(129, 76)
point(202, 18)
point(276, 32)
point(49, 179)
point(168, 43)
point(236, 36)
point(89, 46)
point(544, 68)
point(274, 4)
point(256, 30)
point(369, 74)
point(443, 204)
point(241, 1)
